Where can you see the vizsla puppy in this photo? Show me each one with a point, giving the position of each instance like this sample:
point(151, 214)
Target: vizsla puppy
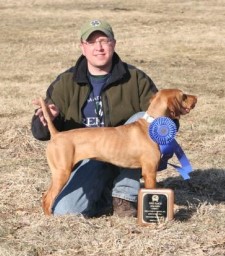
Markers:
point(126, 146)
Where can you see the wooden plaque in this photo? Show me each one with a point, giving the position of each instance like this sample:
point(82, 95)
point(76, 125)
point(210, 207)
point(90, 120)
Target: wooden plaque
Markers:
point(155, 205)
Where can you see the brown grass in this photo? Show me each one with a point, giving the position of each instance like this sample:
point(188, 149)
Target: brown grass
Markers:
point(179, 44)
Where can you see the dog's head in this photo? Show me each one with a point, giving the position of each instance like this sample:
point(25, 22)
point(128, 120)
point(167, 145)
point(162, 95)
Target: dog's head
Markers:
point(179, 103)
point(175, 102)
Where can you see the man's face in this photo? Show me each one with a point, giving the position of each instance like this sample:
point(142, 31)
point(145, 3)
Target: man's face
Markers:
point(98, 49)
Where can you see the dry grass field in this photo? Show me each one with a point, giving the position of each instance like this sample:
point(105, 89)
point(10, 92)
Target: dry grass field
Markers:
point(180, 44)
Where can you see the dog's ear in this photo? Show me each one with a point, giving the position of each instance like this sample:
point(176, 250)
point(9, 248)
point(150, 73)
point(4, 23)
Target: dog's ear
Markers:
point(173, 108)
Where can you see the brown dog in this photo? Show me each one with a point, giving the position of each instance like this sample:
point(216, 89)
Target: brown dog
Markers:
point(126, 146)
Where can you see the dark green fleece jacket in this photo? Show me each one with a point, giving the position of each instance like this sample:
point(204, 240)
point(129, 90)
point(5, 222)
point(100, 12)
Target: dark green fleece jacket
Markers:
point(127, 92)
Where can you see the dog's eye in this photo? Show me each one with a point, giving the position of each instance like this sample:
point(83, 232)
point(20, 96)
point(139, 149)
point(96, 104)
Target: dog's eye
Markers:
point(184, 97)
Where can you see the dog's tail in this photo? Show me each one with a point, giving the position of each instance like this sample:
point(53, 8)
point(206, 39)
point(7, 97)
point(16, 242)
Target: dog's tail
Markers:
point(47, 117)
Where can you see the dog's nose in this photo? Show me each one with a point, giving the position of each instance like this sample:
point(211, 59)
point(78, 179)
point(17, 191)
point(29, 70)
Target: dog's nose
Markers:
point(195, 99)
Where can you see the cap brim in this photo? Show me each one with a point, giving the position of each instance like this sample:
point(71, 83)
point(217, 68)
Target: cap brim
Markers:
point(90, 31)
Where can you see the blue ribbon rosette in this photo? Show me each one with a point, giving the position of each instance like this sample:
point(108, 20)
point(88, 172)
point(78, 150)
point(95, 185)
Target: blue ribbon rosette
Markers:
point(163, 131)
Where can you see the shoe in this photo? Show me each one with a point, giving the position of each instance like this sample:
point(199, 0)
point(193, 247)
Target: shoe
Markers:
point(124, 208)
point(107, 211)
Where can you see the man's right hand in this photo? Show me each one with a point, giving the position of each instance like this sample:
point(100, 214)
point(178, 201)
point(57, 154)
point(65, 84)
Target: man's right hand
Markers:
point(52, 108)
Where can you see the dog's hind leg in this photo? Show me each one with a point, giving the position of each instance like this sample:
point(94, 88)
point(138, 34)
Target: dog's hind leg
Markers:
point(61, 165)
point(59, 180)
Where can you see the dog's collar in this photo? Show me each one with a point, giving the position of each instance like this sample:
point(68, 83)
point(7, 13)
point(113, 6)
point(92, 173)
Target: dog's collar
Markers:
point(148, 118)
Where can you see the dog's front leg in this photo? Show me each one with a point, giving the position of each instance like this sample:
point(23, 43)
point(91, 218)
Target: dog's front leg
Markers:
point(149, 176)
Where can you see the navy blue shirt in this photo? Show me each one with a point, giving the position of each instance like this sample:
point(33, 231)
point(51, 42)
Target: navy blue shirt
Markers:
point(92, 112)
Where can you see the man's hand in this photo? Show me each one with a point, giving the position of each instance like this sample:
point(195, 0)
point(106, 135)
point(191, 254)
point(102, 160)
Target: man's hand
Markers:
point(52, 109)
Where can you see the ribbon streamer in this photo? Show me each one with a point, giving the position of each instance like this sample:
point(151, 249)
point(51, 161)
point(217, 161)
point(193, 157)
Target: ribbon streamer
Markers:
point(167, 152)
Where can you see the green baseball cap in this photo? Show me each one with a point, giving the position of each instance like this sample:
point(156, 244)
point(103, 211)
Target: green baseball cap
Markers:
point(96, 25)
